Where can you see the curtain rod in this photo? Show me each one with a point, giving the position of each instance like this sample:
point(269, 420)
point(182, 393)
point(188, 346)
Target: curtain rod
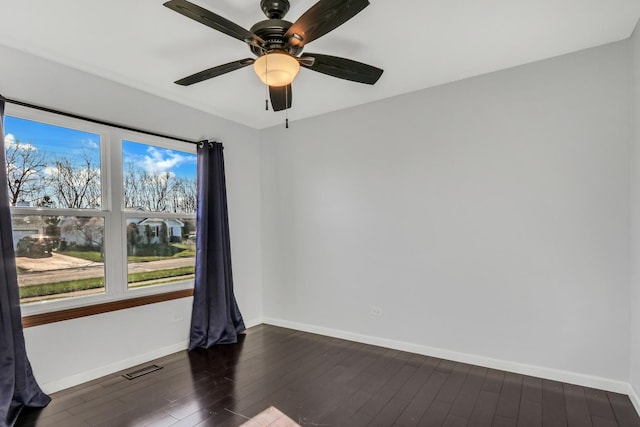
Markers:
point(100, 122)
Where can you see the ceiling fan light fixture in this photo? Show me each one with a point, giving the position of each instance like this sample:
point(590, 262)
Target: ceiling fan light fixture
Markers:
point(276, 68)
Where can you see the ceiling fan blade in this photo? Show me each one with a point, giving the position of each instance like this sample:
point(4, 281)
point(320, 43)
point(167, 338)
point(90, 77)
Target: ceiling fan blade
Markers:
point(214, 72)
point(281, 97)
point(214, 21)
point(341, 68)
point(324, 16)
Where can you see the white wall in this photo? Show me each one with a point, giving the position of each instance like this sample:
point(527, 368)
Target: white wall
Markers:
point(635, 229)
point(488, 219)
point(66, 353)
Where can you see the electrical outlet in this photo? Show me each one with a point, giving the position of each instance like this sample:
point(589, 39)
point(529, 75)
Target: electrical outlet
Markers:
point(178, 317)
point(375, 311)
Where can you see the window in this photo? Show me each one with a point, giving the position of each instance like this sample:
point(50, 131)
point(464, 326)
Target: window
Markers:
point(98, 214)
point(159, 199)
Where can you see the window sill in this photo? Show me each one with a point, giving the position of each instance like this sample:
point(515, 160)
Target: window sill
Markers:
point(90, 310)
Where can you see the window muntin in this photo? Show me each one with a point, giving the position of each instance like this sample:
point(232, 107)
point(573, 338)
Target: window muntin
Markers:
point(108, 209)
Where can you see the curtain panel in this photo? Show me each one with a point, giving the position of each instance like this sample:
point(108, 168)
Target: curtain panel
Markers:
point(216, 318)
point(18, 387)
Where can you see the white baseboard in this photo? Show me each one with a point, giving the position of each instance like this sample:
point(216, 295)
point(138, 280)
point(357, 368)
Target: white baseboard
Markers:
point(503, 365)
point(83, 377)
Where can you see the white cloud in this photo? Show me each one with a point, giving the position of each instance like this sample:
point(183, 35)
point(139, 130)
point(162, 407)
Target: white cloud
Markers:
point(50, 170)
point(53, 170)
point(10, 141)
point(161, 161)
point(91, 144)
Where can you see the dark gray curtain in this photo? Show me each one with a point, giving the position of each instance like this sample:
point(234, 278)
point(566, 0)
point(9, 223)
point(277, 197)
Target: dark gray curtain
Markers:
point(216, 318)
point(18, 388)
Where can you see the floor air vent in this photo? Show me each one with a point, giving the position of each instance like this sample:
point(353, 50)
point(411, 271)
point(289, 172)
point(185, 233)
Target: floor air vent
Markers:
point(142, 371)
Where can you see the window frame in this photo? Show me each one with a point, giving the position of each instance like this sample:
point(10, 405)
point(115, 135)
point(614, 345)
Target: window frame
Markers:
point(111, 209)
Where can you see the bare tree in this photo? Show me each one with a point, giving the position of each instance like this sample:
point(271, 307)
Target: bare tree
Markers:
point(86, 231)
point(157, 191)
point(25, 167)
point(75, 182)
point(183, 195)
point(131, 188)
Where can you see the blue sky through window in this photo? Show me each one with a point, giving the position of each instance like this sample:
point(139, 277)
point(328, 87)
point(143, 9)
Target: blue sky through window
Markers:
point(156, 159)
point(54, 140)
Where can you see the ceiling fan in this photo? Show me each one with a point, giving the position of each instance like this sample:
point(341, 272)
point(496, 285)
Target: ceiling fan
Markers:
point(278, 45)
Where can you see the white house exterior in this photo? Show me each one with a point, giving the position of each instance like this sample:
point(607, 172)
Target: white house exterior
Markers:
point(173, 228)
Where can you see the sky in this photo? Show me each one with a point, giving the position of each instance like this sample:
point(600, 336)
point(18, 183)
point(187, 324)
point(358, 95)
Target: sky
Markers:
point(159, 160)
point(55, 140)
point(60, 141)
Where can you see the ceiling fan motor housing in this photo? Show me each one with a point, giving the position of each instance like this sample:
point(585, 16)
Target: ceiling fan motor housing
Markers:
point(272, 31)
point(275, 9)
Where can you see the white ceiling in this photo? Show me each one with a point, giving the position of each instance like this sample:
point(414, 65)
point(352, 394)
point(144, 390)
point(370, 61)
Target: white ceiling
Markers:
point(419, 44)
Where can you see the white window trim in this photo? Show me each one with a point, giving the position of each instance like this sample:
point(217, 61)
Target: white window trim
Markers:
point(111, 210)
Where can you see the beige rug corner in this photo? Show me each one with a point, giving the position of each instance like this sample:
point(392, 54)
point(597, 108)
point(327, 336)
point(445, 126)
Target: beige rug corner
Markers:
point(270, 417)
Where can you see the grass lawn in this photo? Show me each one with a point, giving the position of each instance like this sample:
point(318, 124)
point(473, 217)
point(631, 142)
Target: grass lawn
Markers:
point(61, 287)
point(160, 274)
point(89, 256)
point(183, 254)
point(98, 282)
point(187, 251)
point(180, 251)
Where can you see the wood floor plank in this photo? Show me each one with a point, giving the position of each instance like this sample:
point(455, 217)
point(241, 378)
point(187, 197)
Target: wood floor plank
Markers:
point(599, 405)
point(454, 421)
point(501, 421)
point(493, 381)
point(484, 410)
point(323, 381)
point(603, 422)
point(415, 411)
point(623, 410)
point(384, 402)
point(465, 401)
point(450, 389)
point(509, 402)
point(531, 389)
point(389, 413)
point(576, 405)
point(553, 404)
point(415, 383)
point(383, 387)
point(530, 414)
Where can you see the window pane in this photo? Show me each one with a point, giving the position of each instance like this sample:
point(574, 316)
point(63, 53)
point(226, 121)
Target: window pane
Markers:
point(156, 179)
point(58, 256)
point(51, 166)
point(160, 250)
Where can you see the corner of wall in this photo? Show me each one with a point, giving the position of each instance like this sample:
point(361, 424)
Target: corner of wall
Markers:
point(634, 285)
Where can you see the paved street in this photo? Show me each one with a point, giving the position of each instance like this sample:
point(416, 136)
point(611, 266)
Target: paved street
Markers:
point(58, 268)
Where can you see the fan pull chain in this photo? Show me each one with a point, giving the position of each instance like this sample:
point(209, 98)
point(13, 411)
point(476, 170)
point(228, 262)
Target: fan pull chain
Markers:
point(286, 110)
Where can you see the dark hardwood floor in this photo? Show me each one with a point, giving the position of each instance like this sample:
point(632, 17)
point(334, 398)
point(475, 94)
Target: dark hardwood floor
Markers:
point(322, 381)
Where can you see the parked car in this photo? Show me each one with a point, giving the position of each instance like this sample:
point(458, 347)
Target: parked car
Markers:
point(36, 245)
